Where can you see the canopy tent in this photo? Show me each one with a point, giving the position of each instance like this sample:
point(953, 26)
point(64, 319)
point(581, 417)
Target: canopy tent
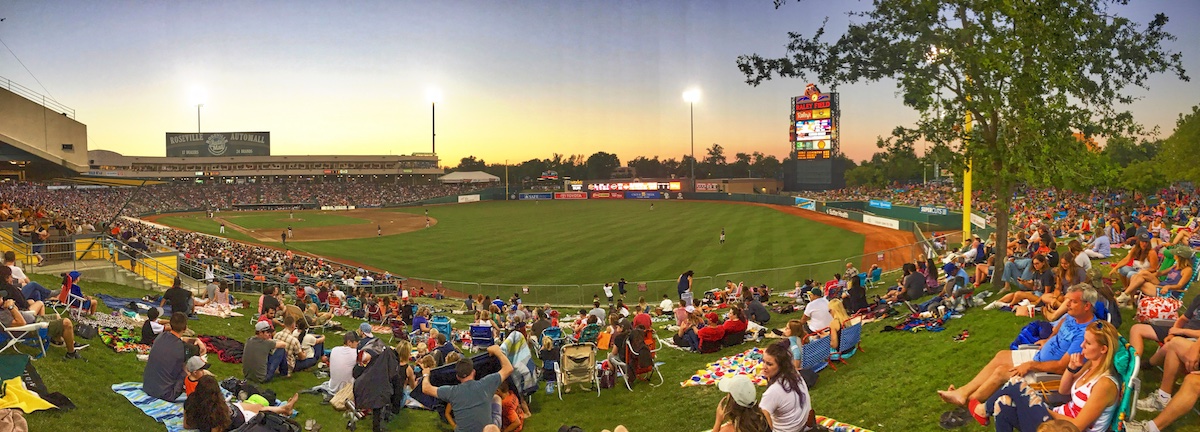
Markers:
point(468, 177)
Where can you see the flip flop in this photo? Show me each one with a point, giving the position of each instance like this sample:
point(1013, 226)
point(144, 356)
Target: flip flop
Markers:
point(983, 421)
point(953, 419)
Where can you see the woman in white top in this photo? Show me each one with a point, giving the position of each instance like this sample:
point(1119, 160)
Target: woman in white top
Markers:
point(1092, 385)
point(786, 402)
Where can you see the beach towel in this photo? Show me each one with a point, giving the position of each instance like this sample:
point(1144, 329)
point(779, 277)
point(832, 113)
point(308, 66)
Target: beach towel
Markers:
point(170, 414)
point(15, 395)
point(217, 310)
point(747, 363)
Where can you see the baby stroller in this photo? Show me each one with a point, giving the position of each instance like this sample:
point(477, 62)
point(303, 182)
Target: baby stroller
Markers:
point(379, 388)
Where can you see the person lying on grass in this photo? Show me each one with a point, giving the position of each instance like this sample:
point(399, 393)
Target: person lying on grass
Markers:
point(1090, 380)
point(1053, 356)
point(206, 409)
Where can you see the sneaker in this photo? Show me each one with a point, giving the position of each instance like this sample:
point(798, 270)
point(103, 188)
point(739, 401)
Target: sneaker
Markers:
point(1152, 403)
point(1137, 426)
point(58, 343)
point(73, 355)
point(79, 346)
point(1123, 299)
point(992, 305)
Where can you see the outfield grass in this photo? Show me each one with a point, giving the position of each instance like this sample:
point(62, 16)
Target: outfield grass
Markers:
point(889, 386)
point(279, 220)
point(201, 223)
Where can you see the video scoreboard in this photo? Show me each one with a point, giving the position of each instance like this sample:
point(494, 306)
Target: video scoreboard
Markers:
point(813, 140)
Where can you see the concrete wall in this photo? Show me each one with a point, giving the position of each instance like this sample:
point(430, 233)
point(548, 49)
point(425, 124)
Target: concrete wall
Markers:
point(31, 127)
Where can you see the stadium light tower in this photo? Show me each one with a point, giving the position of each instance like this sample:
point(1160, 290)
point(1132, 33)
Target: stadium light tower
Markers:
point(691, 97)
point(434, 95)
point(198, 95)
point(198, 106)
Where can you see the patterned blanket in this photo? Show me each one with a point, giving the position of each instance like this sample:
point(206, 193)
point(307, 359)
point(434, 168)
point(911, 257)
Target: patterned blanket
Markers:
point(832, 425)
point(168, 413)
point(746, 363)
point(123, 340)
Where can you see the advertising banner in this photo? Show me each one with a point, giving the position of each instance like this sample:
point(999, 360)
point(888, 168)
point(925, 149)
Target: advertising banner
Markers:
point(806, 204)
point(978, 220)
point(218, 144)
point(883, 222)
point(608, 195)
point(468, 198)
point(935, 210)
point(644, 195)
point(570, 195)
point(536, 196)
point(708, 187)
point(880, 204)
point(839, 213)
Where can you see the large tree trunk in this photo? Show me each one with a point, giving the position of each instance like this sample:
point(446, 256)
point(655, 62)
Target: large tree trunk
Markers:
point(1003, 204)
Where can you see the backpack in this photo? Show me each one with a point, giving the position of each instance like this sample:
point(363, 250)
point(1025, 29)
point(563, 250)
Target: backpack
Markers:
point(608, 376)
point(269, 422)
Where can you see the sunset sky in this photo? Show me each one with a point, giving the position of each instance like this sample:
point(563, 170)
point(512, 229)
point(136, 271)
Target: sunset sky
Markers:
point(519, 79)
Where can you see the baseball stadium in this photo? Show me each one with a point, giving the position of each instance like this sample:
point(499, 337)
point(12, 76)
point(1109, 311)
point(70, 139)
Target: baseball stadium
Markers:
point(236, 283)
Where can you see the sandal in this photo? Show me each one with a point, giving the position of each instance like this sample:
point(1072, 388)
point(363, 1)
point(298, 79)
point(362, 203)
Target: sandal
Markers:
point(983, 421)
point(953, 419)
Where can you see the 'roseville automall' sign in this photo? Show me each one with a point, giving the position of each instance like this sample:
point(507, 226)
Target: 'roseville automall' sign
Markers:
point(218, 144)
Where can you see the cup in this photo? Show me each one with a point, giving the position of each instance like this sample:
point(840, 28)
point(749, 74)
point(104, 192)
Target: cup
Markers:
point(941, 311)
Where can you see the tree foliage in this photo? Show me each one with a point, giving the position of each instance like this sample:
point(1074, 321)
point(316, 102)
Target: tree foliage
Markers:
point(1180, 150)
point(1030, 73)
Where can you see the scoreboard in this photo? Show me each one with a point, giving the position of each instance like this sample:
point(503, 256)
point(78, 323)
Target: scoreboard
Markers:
point(813, 124)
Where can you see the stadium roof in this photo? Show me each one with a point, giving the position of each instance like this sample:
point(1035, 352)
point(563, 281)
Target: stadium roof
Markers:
point(468, 177)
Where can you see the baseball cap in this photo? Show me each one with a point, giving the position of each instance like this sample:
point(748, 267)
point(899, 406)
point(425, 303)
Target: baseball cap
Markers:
point(1144, 236)
point(263, 326)
point(740, 387)
point(365, 328)
point(712, 316)
point(196, 363)
point(689, 308)
point(949, 267)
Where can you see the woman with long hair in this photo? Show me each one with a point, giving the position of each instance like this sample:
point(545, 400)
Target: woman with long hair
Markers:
point(205, 409)
point(1174, 278)
point(1090, 380)
point(840, 317)
point(786, 401)
point(738, 411)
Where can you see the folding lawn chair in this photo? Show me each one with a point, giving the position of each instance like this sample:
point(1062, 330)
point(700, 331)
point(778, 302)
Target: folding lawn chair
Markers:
point(577, 365)
point(442, 324)
point(848, 342)
point(481, 337)
point(876, 274)
point(556, 336)
point(589, 334)
point(816, 354)
point(17, 335)
point(321, 306)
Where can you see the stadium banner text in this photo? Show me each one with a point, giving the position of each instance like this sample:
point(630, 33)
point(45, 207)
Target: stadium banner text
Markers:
point(644, 195)
point(570, 195)
point(883, 222)
point(935, 210)
point(608, 195)
point(218, 144)
point(536, 196)
point(468, 198)
point(336, 208)
point(880, 204)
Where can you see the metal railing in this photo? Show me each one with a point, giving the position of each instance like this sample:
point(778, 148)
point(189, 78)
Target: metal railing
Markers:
point(34, 96)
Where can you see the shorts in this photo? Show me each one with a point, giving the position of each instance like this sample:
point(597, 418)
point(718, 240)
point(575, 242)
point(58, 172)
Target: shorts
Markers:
point(55, 329)
point(1127, 271)
point(1022, 356)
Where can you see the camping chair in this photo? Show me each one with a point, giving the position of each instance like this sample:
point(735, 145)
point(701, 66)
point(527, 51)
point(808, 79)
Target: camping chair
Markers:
point(556, 336)
point(816, 354)
point(848, 341)
point(442, 325)
point(67, 303)
point(321, 306)
point(620, 356)
point(876, 275)
point(589, 334)
point(481, 337)
point(398, 329)
point(18, 334)
point(577, 365)
point(734, 339)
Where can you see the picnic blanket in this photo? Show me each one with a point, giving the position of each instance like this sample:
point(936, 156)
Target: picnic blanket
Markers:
point(228, 350)
point(832, 425)
point(118, 303)
point(169, 414)
point(217, 310)
point(915, 323)
point(381, 329)
point(747, 363)
point(124, 340)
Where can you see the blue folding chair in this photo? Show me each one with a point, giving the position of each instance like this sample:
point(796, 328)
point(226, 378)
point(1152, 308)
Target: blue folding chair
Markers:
point(442, 324)
point(556, 336)
point(816, 354)
point(481, 337)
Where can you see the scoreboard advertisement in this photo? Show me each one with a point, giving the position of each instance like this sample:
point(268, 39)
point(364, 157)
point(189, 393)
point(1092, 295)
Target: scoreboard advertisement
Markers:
point(218, 144)
point(813, 122)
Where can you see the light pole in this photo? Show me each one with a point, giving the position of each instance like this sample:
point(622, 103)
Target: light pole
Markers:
point(434, 95)
point(198, 106)
point(691, 97)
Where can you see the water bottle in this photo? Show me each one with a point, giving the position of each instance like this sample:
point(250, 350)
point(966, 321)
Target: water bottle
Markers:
point(550, 387)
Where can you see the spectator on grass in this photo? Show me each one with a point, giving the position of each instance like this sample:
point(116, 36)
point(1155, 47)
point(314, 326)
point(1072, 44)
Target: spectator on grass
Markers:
point(684, 284)
point(312, 347)
point(1175, 278)
point(757, 312)
point(735, 321)
point(786, 402)
point(163, 377)
point(264, 358)
point(1187, 326)
point(664, 307)
point(596, 311)
point(738, 411)
point(1090, 380)
point(208, 411)
point(816, 312)
point(32, 291)
point(342, 359)
point(181, 299)
point(151, 328)
point(1175, 407)
point(712, 330)
point(1053, 356)
point(1140, 258)
point(196, 368)
point(471, 400)
point(794, 332)
point(686, 336)
point(10, 291)
point(856, 295)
